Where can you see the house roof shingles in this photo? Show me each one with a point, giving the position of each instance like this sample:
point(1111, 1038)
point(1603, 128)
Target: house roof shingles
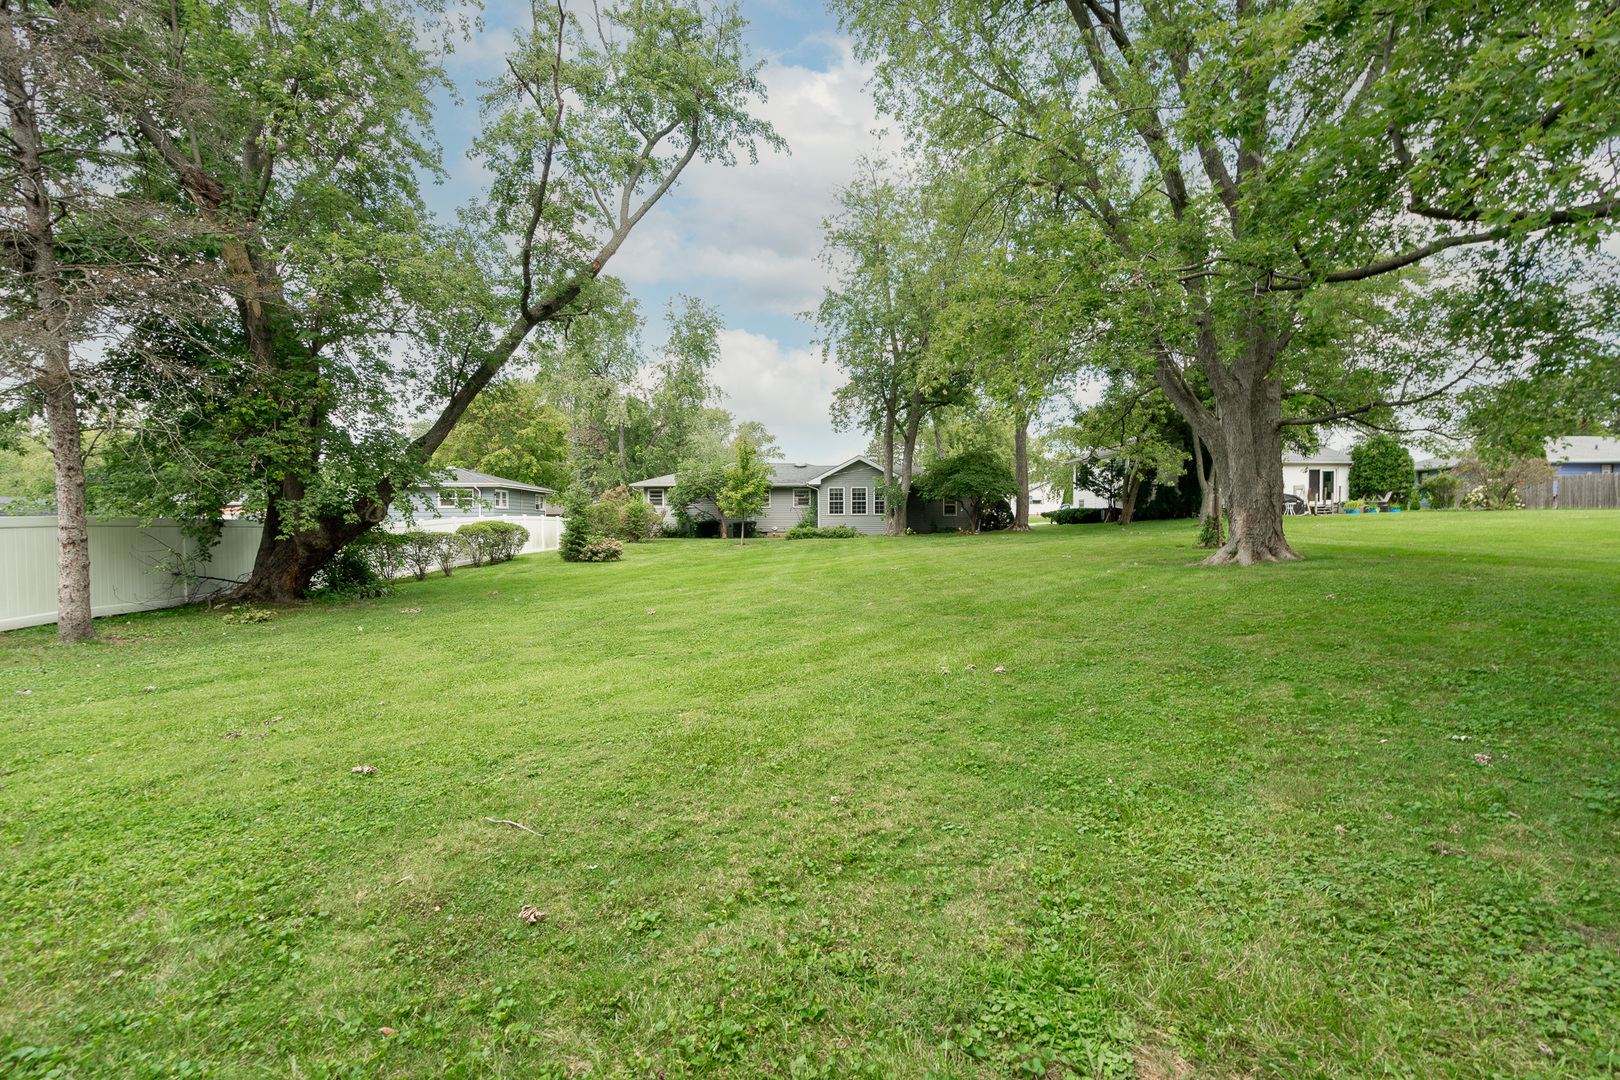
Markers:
point(469, 478)
point(783, 473)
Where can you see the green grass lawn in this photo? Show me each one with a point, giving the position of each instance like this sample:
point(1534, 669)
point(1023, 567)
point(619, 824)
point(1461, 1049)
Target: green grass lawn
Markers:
point(1351, 817)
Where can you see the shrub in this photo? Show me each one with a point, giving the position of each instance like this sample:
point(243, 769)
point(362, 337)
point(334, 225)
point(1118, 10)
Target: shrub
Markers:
point(996, 515)
point(811, 532)
point(506, 540)
point(1074, 515)
point(448, 549)
point(807, 520)
point(350, 575)
point(576, 526)
point(420, 550)
point(601, 549)
point(637, 520)
point(1441, 490)
point(241, 615)
point(481, 541)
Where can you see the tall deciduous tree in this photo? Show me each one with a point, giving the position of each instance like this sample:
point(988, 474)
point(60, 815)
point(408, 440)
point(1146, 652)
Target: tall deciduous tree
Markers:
point(510, 431)
point(879, 321)
point(81, 246)
point(1246, 162)
point(587, 128)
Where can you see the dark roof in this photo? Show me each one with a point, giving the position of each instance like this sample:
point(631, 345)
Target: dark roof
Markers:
point(469, 478)
point(782, 473)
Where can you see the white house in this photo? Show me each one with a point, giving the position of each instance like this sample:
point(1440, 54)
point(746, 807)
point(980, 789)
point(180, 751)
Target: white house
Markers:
point(1322, 477)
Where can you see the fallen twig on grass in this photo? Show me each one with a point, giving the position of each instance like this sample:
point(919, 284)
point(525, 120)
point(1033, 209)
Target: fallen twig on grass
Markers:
point(503, 821)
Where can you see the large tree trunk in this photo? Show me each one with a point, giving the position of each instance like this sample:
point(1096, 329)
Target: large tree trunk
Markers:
point(286, 564)
point(73, 612)
point(894, 517)
point(34, 248)
point(1021, 473)
point(1251, 425)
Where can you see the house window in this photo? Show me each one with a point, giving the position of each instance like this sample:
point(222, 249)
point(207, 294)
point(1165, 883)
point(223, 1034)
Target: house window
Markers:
point(950, 507)
point(449, 499)
point(857, 500)
point(769, 492)
point(801, 498)
point(499, 500)
point(877, 503)
point(835, 500)
point(655, 496)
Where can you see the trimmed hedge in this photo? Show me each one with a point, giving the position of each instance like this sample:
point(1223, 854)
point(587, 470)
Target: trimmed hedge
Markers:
point(1074, 515)
point(492, 541)
point(811, 532)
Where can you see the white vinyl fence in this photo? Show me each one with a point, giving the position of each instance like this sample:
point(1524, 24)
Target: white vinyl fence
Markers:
point(134, 567)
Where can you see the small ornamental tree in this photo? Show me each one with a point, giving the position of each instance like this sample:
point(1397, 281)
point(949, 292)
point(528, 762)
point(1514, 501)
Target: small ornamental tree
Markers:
point(1379, 467)
point(576, 526)
point(747, 486)
point(974, 478)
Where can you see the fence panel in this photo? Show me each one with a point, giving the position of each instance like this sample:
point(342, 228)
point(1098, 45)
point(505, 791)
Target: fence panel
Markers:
point(1590, 491)
point(132, 565)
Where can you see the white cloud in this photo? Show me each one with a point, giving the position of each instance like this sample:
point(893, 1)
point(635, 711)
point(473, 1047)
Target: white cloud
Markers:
point(758, 227)
point(789, 390)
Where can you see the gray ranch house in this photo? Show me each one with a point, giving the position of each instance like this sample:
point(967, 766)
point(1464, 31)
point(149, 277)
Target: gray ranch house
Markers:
point(849, 494)
point(474, 495)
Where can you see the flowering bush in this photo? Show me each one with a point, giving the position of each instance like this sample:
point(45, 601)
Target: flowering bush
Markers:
point(601, 549)
point(1482, 498)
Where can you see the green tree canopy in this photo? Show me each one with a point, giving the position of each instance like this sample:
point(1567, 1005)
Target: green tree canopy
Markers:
point(973, 477)
point(510, 431)
point(1381, 465)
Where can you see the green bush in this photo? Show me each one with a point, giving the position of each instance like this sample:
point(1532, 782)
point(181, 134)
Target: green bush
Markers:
point(448, 549)
point(356, 571)
point(419, 550)
point(482, 541)
point(507, 540)
point(1441, 490)
point(637, 520)
point(807, 519)
point(1074, 515)
point(811, 532)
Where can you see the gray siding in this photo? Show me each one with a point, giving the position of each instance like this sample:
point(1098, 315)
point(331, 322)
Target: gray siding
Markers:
point(518, 503)
point(929, 517)
point(858, 475)
point(780, 516)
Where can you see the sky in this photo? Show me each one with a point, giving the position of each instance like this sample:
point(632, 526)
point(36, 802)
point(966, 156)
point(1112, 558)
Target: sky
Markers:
point(745, 239)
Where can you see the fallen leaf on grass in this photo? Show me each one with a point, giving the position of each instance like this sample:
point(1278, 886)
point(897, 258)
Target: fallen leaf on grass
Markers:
point(973, 667)
point(364, 770)
point(144, 689)
point(1339, 829)
point(652, 611)
point(531, 914)
point(410, 611)
point(1544, 1048)
point(30, 691)
point(1000, 670)
point(231, 735)
point(386, 1031)
point(1482, 759)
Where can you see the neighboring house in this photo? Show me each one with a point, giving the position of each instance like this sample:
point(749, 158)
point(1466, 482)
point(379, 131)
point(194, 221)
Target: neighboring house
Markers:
point(1323, 477)
point(847, 494)
point(1583, 455)
point(473, 495)
point(1433, 466)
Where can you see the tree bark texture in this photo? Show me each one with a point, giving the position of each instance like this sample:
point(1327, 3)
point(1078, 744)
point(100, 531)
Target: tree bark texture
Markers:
point(1021, 473)
point(34, 248)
